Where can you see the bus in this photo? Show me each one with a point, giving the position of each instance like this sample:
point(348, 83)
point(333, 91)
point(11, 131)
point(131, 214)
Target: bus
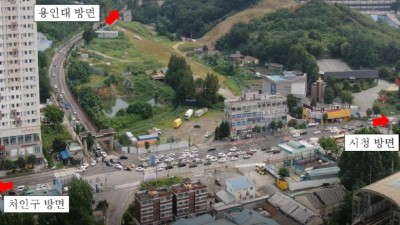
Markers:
point(339, 138)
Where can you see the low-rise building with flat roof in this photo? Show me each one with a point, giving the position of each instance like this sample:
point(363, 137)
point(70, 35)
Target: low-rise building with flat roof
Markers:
point(242, 188)
point(335, 112)
point(285, 85)
point(107, 33)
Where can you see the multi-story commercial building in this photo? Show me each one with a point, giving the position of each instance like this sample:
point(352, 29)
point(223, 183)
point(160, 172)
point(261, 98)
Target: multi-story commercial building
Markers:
point(285, 85)
point(254, 109)
point(242, 188)
point(19, 81)
point(318, 90)
point(190, 199)
point(153, 206)
point(336, 113)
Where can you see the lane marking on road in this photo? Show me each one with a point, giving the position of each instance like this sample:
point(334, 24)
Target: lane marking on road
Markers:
point(134, 184)
point(246, 165)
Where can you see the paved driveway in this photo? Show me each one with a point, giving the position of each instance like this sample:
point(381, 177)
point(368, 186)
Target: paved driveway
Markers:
point(365, 99)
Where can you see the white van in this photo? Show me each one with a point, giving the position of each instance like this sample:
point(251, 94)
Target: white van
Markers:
point(55, 86)
point(21, 188)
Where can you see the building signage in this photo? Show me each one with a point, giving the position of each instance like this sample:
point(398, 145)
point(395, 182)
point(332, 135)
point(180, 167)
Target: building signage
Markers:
point(34, 129)
point(324, 109)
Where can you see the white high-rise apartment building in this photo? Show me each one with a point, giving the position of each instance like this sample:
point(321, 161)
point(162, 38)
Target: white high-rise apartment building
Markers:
point(19, 81)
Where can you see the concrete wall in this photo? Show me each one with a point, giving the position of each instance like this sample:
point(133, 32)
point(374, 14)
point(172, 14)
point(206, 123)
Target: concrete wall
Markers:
point(159, 148)
point(218, 213)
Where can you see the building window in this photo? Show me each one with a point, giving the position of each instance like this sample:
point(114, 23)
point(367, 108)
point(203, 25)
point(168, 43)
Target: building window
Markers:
point(37, 149)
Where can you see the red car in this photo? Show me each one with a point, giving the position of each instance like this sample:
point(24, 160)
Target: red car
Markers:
point(249, 153)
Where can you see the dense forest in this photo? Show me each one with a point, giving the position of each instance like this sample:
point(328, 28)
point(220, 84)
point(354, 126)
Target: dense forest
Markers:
point(186, 17)
point(297, 38)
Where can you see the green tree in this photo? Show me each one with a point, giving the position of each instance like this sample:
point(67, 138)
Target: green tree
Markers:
point(142, 109)
point(128, 217)
point(79, 72)
point(210, 91)
point(384, 73)
point(291, 102)
point(186, 88)
point(356, 88)
point(17, 218)
point(31, 160)
point(53, 114)
point(80, 200)
point(146, 145)
point(313, 102)
point(21, 162)
point(292, 123)
point(329, 95)
point(58, 144)
point(376, 109)
point(8, 165)
point(216, 133)
point(347, 96)
point(272, 125)
point(346, 85)
point(366, 167)
point(368, 112)
point(325, 118)
point(88, 34)
point(44, 85)
point(89, 141)
point(283, 172)
point(279, 125)
point(329, 143)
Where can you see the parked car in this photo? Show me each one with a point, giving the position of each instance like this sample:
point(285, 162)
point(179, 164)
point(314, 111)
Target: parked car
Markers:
point(217, 182)
point(317, 132)
point(139, 169)
point(118, 166)
point(195, 150)
point(233, 149)
point(212, 149)
point(233, 158)
point(191, 165)
point(263, 149)
point(222, 160)
point(246, 156)
point(208, 162)
point(296, 135)
point(249, 153)
point(128, 168)
point(93, 163)
point(181, 164)
point(131, 165)
point(276, 151)
point(108, 164)
point(123, 157)
point(168, 167)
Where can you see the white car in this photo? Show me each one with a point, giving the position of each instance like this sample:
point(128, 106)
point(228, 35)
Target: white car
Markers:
point(40, 186)
point(93, 163)
point(334, 131)
point(54, 74)
point(170, 159)
point(171, 155)
point(213, 159)
point(195, 150)
point(75, 112)
point(139, 169)
point(240, 152)
point(182, 157)
point(80, 169)
point(118, 166)
point(233, 149)
point(144, 159)
point(186, 151)
point(253, 150)
point(86, 165)
point(73, 118)
point(317, 132)
point(233, 158)
point(160, 156)
point(194, 156)
point(62, 91)
point(296, 135)
point(209, 156)
point(162, 165)
point(207, 135)
point(222, 160)
point(230, 154)
point(160, 168)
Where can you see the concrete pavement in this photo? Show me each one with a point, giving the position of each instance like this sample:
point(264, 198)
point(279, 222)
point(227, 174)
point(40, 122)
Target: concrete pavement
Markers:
point(372, 94)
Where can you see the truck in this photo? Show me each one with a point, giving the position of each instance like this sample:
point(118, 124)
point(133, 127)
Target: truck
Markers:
point(200, 112)
point(177, 123)
point(188, 114)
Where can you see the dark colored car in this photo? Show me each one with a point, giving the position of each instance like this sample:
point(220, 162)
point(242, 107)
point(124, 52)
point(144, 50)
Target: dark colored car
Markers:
point(181, 164)
point(303, 132)
point(97, 153)
point(168, 167)
point(128, 168)
point(123, 157)
point(276, 151)
point(191, 165)
point(207, 163)
point(112, 160)
point(108, 164)
point(212, 149)
point(263, 149)
point(120, 163)
point(249, 153)
point(217, 182)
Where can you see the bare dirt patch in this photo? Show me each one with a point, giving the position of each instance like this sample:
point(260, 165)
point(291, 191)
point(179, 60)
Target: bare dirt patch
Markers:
point(332, 65)
point(245, 16)
point(208, 122)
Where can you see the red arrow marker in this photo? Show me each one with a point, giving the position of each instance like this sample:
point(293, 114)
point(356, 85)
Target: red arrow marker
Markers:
point(381, 121)
point(112, 16)
point(5, 186)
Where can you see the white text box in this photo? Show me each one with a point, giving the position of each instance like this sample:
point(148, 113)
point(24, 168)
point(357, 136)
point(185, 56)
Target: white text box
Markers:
point(371, 142)
point(36, 204)
point(66, 13)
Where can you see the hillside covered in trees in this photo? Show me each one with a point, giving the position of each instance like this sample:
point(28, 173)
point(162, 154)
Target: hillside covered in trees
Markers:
point(186, 17)
point(297, 38)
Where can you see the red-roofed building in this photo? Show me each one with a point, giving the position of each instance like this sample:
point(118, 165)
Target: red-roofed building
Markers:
point(249, 60)
point(397, 81)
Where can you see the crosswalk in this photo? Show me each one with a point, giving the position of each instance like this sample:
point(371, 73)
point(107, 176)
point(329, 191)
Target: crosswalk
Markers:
point(128, 185)
point(246, 165)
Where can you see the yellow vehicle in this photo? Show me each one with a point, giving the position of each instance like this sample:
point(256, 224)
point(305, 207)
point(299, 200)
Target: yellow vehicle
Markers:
point(177, 123)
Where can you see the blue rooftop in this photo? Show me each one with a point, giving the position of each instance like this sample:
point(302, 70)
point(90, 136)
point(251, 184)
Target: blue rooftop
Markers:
point(239, 183)
point(280, 77)
point(64, 155)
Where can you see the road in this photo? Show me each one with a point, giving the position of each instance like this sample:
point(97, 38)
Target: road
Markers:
point(372, 93)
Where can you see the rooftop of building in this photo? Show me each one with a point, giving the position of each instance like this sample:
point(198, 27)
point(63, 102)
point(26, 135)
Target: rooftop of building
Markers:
point(354, 74)
point(153, 193)
point(238, 217)
point(106, 31)
point(239, 183)
point(297, 147)
point(294, 209)
point(225, 197)
point(323, 196)
point(188, 185)
point(388, 187)
point(65, 172)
